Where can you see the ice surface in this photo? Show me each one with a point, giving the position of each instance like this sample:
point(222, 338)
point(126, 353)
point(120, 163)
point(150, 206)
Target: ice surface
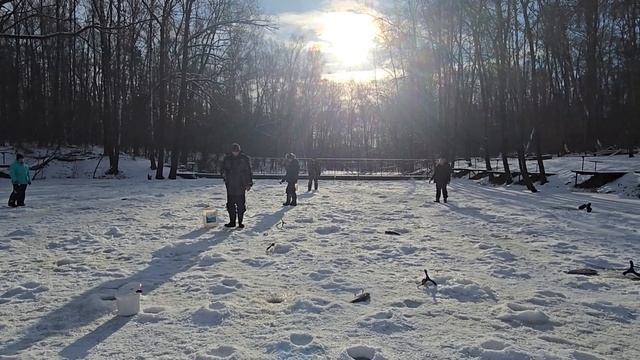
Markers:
point(498, 253)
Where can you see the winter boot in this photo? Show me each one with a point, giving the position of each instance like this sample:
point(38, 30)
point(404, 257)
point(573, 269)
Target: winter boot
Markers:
point(294, 199)
point(12, 204)
point(288, 202)
point(232, 220)
point(240, 224)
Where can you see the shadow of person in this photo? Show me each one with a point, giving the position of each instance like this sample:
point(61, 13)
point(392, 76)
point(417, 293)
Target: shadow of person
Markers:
point(195, 233)
point(267, 221)
point(307, 195)
point(81, 347)
point(82, 310)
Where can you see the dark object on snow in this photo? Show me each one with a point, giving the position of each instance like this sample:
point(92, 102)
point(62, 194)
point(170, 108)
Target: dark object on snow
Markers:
point(391, 232)
point(585, 206)
point(585, 271)
point(426, 280)
point(362, 297)
point(270, 249)
point(148, 176)
point(631, 270)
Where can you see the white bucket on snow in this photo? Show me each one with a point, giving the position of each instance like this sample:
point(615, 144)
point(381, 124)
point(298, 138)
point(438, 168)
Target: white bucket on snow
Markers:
point(128, 299)
point(209, 218)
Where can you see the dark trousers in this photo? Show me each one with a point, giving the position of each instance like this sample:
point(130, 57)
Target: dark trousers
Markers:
point(313, 180)
point(292, 197)
point(18, 194)
point(441, 188)
point(236, 206)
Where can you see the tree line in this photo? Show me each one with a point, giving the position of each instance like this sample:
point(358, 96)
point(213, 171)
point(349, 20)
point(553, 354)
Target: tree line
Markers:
point(462, 78)
point(517, 76)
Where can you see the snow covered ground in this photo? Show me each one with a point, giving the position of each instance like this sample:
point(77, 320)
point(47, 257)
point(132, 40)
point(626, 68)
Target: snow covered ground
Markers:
point(498, 254)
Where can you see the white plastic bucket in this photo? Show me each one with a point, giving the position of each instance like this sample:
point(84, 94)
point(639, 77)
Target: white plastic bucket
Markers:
point(209, 218)
point(128, 299)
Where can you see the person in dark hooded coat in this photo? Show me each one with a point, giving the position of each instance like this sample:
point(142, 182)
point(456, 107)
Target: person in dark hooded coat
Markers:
point(293, 169)
point(442, 177)
point(237, 175)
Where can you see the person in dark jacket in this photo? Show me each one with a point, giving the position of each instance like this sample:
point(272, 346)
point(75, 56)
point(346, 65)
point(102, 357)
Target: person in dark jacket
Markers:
point(20, 178)
point(291, 177)
point(314, 173)
point(237, 175)
point(442, 177)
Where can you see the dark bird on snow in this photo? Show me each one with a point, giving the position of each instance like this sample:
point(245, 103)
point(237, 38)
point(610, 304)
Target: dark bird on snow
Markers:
point(270, 248)
point(631, 270)
point(585, 206)
point(362, 297)
point(426, 280)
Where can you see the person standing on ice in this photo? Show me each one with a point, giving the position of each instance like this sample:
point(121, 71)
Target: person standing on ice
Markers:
point(442, 177)
point(237, 175)
point(291, 177)
point(314, 173)
point(20, 178)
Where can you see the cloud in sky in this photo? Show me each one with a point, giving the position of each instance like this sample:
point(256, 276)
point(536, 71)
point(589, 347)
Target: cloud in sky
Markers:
point(274, 7)
point(318, 21)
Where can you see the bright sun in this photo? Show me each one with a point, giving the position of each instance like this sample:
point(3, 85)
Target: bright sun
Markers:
point(348, 36)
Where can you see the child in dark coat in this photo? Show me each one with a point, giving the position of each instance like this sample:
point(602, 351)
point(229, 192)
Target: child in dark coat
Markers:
point(291, 177)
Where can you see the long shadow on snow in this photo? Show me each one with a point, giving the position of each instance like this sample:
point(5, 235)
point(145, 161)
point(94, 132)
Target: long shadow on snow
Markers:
point(543, 199)
point(269, 220)
point(473, 212)
point(166, 262)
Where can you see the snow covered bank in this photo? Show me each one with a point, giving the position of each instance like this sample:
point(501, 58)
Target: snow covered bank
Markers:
point(563, 179)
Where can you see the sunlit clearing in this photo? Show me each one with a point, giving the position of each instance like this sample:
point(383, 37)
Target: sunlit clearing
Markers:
point(348, 36)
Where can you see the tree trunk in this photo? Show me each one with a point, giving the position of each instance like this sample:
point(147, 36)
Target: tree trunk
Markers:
point(535, 113)
point(590, 8)
point(163, 74)
point(524, 172)
point(483, 88)
point(502, 85)
point(178, 141)
point(107, 111)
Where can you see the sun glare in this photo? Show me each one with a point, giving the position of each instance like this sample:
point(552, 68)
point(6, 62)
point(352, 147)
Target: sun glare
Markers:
point(349, 37)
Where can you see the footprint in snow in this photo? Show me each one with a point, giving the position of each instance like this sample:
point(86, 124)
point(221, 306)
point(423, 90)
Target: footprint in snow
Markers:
point(361, 352)
point(326, 230)
point(301, 339)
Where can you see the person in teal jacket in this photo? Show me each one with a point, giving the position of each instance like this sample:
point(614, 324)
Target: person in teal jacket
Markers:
point(20, 178)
